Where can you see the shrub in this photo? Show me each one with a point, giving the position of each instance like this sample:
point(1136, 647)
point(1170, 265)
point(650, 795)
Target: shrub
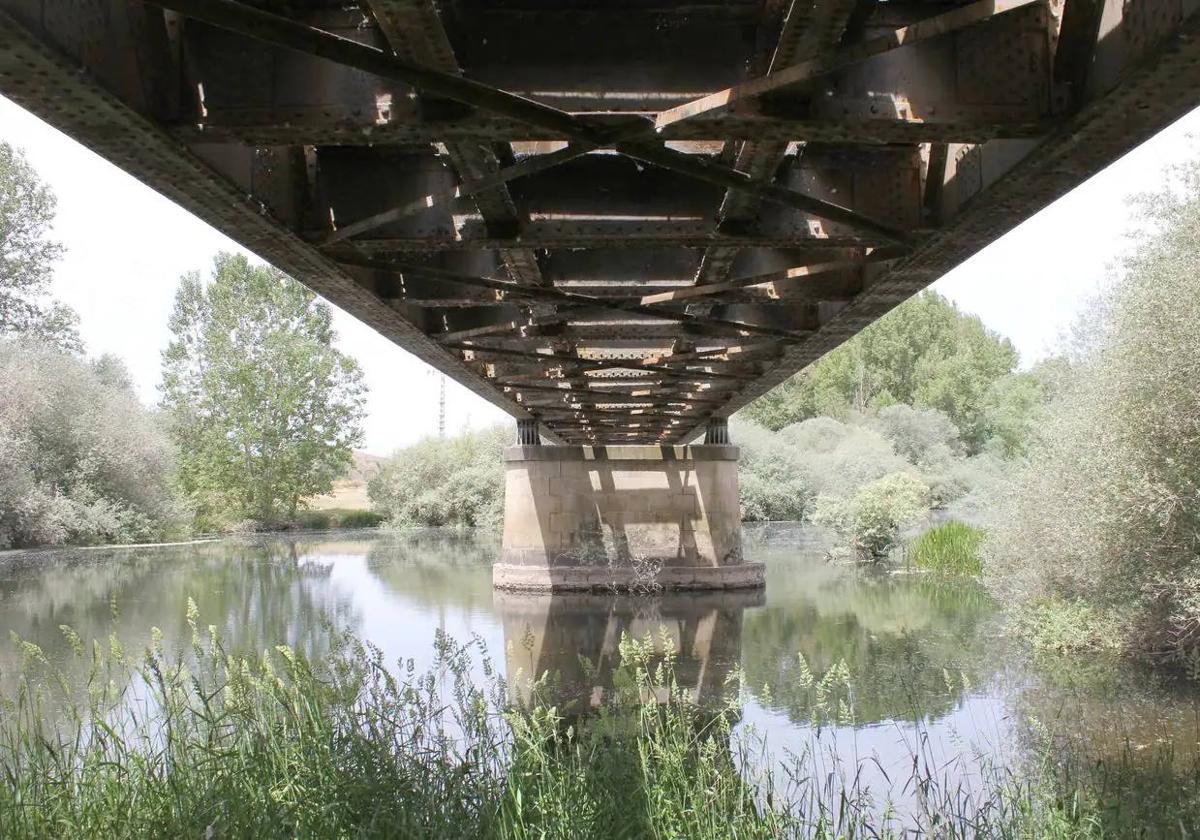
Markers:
point(1107, 511)
point(444, 481)
point(1058, 625)
point(949, 548)
point(782, 473)
point(847, 461)
point(870, 520)
point(925, 436)
point(81, 460)
point(773, 482)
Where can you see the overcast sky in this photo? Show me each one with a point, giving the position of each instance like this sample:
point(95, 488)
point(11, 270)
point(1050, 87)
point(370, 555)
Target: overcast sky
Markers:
point(127, 247)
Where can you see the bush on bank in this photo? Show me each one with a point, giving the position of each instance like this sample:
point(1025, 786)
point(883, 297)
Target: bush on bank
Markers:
point(456, 481)
point(868, 477)
point(1107, 512)
point(459, 481)
point(81, 460)
point(870, 520)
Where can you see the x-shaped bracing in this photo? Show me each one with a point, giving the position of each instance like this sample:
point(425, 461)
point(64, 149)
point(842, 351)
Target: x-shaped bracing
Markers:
point(637, 140)
point(636, 137)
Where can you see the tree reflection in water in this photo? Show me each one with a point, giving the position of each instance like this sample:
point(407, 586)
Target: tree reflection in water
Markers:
point(911, 643)
point(923, 658)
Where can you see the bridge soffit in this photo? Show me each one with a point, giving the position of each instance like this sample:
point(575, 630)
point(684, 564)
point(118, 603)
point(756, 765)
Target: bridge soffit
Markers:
point(621, 236)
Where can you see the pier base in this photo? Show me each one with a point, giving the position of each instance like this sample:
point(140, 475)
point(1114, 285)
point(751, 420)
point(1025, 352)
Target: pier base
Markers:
point(579, 518)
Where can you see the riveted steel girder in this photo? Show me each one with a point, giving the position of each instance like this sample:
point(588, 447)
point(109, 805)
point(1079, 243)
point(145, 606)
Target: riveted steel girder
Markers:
point(620, 220)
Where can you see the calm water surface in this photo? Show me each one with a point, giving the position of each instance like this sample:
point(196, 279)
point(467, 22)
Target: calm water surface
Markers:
point(929, 675)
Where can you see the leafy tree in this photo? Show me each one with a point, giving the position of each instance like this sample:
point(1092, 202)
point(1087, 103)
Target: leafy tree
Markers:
point(1107, 510)
point(81, 460)
point(925, 353)
point(27, 257)
point(264, 409)
point(1010, 411)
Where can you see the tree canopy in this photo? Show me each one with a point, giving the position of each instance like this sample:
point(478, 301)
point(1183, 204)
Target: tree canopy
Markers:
point(925, 353)
point(27, 257)
point(265, 410)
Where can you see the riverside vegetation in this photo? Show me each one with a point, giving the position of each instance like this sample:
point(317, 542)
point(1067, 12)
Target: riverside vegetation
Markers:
point(1072, 489)
point(848, 443)
point(259, 411)
point(1102, 524)
point(206, 742)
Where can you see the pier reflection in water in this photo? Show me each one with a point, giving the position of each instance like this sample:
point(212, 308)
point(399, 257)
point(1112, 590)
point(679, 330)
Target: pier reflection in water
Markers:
point(926, 667)
point(570, 644)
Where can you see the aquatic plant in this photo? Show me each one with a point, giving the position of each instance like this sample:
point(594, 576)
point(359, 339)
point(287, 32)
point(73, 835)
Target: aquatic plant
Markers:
point(950, 548)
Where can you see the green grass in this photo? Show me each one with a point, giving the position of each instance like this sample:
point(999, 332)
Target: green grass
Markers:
point(950, 549)
point(222, 746)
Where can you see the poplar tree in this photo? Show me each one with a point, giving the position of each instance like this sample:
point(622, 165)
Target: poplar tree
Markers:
point(264, 409)
point(27, 257)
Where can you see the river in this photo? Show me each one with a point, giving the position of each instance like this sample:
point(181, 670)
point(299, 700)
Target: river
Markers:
point(928, 674)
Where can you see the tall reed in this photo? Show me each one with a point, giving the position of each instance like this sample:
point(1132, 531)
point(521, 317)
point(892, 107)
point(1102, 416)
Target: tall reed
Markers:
point(207, 743)
point(950, 548)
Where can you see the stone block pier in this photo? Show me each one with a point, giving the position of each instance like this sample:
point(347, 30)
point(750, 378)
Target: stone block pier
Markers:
point(579, 518)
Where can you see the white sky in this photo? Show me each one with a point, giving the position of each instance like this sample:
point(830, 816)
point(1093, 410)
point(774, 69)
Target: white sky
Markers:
point(127, 247)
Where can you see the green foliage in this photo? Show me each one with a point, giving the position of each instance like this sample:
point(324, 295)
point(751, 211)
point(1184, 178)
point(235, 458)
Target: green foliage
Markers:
point(781, 474)
point(1012, 407)
point(1061, 626)
point(1106, 513)
point(280, 746)
point(771, 477)
point(951, 548)
point(208, 743)
point(925, 353)
point(81, 460)
point(27, 257)
point(330, 518)
point(870, 520)
point(924, 436)
point(444, 481)
point(265, 411)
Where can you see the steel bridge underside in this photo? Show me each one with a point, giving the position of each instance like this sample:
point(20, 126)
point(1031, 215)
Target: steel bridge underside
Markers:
point(617, 218)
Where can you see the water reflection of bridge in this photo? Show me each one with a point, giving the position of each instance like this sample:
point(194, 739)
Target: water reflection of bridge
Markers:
point(575, 639)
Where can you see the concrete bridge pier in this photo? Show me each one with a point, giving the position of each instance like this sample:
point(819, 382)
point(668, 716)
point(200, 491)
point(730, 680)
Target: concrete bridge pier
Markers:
point(626, 518)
